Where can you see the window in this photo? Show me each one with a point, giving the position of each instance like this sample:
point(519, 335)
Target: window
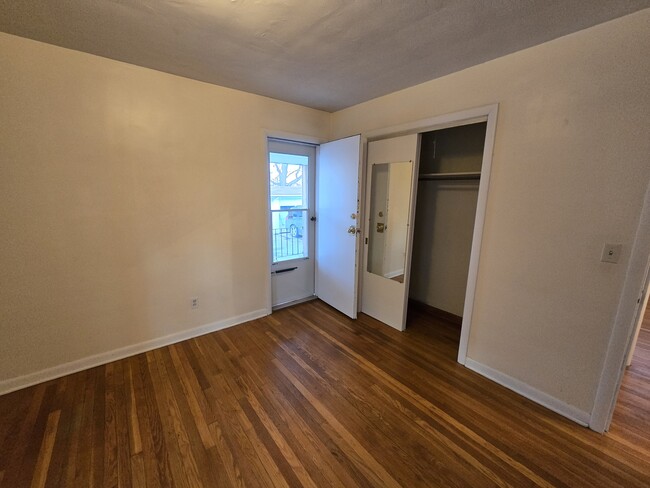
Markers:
point(289, 205)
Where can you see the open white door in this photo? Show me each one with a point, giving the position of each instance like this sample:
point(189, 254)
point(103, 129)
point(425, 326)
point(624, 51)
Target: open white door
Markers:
point(390, 196)
point(337, 211)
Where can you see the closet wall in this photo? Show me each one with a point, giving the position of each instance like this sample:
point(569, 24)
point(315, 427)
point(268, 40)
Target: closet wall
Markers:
point(444, 219)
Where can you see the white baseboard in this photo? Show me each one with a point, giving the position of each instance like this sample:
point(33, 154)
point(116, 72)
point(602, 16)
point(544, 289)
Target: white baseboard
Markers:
point(13, 384)
point(544, 399)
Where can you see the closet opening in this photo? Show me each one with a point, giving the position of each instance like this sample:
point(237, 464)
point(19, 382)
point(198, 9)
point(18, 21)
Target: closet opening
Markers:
point(449, 174)
point(426, 196)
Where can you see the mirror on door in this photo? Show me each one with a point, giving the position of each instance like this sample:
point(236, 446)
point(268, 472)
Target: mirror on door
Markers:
point(390, 199)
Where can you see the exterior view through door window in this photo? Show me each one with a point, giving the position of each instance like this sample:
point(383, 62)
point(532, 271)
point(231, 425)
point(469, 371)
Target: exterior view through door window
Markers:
point(289, 205)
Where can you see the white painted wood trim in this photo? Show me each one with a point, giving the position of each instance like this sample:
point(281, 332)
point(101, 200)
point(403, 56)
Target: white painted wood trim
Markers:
point(473, 115)
point(292, 137)
point(13, 384)
point(639, 320)
point(464, 117)
point(523, 389)
point(477, 239)
point(361, 219)
point(624, 324)
point(411, 228)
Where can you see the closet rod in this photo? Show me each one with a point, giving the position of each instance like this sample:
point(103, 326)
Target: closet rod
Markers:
point(474, 175)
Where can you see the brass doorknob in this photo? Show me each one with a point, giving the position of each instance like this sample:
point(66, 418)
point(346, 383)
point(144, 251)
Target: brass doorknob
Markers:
point(352, 229)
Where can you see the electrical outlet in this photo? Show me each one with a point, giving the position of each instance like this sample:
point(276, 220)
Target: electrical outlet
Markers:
point(195, 303)
point(611, 253)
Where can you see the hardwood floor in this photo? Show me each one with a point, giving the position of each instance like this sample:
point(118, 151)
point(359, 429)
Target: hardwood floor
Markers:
point(631, 421)
point(305, 397)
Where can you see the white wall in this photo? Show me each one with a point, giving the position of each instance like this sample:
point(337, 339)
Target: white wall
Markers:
point(569, 173)
point(124, 192)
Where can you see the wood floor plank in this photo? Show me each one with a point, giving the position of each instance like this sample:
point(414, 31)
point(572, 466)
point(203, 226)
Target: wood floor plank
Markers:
point(27, 463)
point(134, 423)
point(153, 460)
point(373, 471)
point(110, 472)
point(180, 462)
point(476, 413)
point(379, 433)
point(189, 391)
point(308, 397)
point(138, 475)
point(283, 457)
point(310, 428)
point(63, 440)
point(124, 474)
point(69, 472)
point(384, 420)
point(190, 424)
point(17, 441)
point(12, 411)
point(245, 465)
point(256, 433)
point(45, 453)
point(428, 406)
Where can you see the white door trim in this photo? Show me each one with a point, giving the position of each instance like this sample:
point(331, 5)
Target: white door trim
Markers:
point(479, 114)
point(624, 324)
point(640, 315)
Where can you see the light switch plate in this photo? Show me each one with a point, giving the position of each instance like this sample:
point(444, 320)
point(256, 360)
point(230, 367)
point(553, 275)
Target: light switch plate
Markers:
point(611, 253)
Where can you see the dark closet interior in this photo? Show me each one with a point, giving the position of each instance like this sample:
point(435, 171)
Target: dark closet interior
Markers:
point(447, 195)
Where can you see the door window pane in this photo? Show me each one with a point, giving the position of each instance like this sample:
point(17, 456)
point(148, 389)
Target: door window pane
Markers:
point(289, 234)
point(288, 180)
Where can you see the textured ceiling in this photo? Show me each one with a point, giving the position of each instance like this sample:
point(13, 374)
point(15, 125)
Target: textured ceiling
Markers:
point(326, 54)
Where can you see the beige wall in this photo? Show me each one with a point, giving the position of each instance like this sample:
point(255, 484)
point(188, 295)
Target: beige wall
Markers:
point(569, 173)
point(124, 192)
point(442, 243)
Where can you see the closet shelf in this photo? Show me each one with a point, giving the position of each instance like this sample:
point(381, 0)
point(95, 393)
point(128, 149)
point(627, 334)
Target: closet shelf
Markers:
point(473, 175)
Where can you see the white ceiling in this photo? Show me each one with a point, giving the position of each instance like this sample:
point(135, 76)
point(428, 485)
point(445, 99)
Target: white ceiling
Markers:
point(326, 54)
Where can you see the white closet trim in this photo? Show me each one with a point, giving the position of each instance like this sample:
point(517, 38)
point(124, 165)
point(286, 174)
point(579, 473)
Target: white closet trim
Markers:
point(480, 114)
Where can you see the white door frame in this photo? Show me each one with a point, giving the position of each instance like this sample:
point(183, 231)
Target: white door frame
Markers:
point(640, 315)
point(480, 114)
point(289, 137)
point(624, 324)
